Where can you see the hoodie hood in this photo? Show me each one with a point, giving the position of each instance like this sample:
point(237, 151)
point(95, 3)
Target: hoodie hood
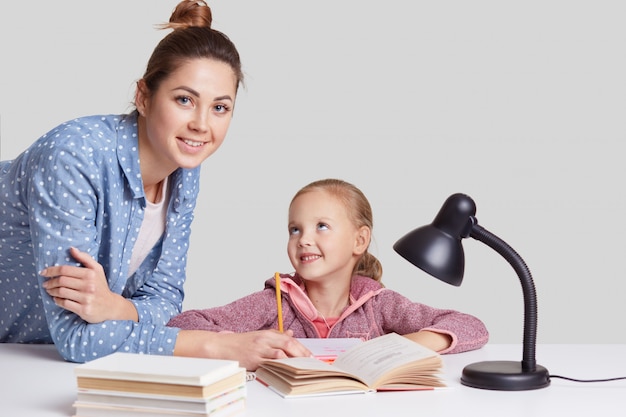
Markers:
point(361, 290)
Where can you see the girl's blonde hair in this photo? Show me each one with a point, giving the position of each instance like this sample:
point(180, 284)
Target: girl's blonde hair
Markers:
point(359, 212)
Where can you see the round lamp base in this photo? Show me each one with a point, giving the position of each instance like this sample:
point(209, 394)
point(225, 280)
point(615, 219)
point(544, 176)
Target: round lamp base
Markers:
point(504, 376)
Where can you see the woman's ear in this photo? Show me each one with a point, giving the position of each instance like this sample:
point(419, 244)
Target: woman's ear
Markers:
point(141, 97)
point(363, 238)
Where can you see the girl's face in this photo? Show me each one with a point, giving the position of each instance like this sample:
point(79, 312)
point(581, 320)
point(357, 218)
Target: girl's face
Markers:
point(187, 118)
point(324, 244)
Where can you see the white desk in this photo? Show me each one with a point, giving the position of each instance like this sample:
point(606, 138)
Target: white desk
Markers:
point(36, 382)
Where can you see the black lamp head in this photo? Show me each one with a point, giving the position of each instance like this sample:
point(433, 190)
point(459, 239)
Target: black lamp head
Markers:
point(436, 248)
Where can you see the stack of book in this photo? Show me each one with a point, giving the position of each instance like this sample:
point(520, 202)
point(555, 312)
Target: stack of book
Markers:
point(129, 385)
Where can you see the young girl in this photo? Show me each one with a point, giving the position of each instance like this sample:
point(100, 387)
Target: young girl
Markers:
point(96, 214)
point(336, 290)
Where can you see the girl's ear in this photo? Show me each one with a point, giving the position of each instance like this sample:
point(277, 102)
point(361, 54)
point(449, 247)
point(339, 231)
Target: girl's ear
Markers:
point(363, 238)
point(141, 97)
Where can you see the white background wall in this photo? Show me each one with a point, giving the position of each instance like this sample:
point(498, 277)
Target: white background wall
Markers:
point(519, 104)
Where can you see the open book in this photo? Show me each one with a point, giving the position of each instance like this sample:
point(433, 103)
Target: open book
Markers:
point(386, 363)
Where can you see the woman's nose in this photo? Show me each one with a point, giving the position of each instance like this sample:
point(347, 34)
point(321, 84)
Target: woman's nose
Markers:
point(200, 122)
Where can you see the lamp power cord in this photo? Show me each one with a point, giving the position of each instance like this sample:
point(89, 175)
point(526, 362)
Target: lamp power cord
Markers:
point(587, 380)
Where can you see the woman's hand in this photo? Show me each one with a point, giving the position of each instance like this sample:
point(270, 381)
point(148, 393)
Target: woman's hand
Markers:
point(250, 348)
point(85, 291)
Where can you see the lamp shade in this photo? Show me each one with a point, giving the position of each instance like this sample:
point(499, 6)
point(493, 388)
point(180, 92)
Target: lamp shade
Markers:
point(436, 248)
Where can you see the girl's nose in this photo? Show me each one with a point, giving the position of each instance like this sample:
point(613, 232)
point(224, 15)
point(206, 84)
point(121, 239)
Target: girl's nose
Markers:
point(304, 239)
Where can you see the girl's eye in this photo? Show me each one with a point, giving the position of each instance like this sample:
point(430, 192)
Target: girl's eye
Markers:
point(294, 230)
point(322, 226)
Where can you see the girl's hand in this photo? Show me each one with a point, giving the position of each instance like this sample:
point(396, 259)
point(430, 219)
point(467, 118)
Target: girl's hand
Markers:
point(85, 291)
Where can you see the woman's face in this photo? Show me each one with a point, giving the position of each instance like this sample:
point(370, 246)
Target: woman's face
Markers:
point(187, 118)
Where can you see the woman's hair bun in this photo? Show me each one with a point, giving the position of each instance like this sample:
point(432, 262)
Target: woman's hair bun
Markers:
point(190, 13)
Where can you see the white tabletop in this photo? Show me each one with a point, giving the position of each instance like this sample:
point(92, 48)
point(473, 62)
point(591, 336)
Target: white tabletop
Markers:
point(36, 382)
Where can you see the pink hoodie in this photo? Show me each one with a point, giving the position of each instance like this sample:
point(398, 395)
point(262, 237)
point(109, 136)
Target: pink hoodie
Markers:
point(374, 311)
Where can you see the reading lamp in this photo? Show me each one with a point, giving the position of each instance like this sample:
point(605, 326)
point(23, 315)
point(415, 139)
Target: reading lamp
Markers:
point(436, 248)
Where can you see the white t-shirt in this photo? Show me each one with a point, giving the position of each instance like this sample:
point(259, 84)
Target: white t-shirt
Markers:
point(152, 228)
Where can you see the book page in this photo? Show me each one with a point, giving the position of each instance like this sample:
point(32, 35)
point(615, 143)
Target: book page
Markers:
point(328, 349)
point(376, 357)
point(310, 366)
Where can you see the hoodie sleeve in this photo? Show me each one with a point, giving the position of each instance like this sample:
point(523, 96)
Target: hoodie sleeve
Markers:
point(256, 311)
point(403, 316)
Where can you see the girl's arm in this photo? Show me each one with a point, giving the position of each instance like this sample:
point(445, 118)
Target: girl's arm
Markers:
point(256, 311)
point(431, 326)
point(438, 342)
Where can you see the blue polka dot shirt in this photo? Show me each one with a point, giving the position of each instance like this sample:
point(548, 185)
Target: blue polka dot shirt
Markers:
point(80, 185)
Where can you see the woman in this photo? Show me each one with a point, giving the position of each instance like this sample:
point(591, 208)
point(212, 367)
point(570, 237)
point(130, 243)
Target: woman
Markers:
point(97, 212)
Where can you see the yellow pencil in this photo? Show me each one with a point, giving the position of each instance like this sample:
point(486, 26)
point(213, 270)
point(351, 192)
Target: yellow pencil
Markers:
point(279, 302)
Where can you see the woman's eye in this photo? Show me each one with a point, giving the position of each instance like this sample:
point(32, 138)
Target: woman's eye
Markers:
point(184, 100)
point(221, 108)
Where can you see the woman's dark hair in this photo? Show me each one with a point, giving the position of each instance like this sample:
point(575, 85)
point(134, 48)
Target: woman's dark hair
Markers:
point(192, 37)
